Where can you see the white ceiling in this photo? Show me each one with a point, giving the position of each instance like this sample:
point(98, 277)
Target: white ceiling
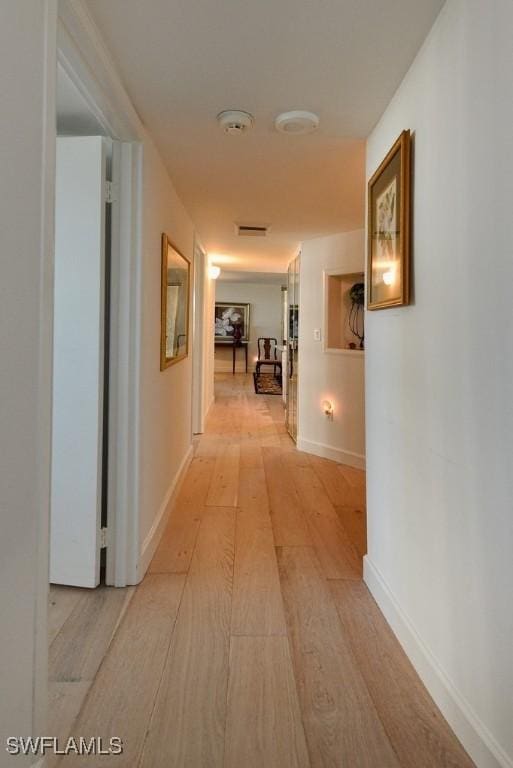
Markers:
point(183, 61)
point(262, 278)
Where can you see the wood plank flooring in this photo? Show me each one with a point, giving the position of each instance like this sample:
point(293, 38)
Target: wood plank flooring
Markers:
point(252, 642)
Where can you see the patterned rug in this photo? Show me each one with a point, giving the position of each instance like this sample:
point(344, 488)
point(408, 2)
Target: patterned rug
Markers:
point(267, 384)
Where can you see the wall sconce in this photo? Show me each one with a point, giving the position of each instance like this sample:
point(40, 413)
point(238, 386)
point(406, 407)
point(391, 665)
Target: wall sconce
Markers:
point(327, 407)
point(214, 271)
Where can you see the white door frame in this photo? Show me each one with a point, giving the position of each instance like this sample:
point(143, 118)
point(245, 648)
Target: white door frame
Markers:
point(198, 338)
point(85, 60)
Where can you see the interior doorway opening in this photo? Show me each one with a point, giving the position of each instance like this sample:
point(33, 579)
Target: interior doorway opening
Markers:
point(93, 518)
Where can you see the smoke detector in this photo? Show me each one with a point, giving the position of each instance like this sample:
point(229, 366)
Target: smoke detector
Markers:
point(234, 121)
point(297, 122)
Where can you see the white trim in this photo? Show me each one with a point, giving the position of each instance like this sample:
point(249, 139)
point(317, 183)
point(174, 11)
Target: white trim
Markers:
point(471, 731)
point(350, 458)
point(151, 541)
point(198, 334)
point(44, 372)
point(122, 551)
point(209, 406)
point(351, 352)
point(226, 366)
point(87, 61)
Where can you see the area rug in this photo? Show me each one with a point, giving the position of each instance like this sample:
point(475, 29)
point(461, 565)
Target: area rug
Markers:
point(267, 384)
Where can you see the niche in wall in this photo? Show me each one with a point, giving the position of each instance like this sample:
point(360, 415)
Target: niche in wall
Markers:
point(340, 319)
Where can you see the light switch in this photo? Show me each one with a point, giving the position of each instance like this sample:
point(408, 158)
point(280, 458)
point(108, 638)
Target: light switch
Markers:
point(317, 334)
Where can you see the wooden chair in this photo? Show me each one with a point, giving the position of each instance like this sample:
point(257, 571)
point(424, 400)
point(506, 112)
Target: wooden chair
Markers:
point(267, 354)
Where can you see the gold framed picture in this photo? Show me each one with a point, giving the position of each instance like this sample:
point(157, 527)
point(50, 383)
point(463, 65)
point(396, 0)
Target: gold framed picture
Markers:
point(388, 257)
point(175, 290)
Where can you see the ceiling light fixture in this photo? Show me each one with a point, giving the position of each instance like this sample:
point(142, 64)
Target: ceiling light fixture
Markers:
point(214, 271)
point(297, 122)
point(235, 121)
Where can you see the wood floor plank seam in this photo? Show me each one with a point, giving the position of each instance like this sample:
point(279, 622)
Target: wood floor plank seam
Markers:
point(85, 657)
point(192, 693)
point(155, 699)
point(230, 628)
point(74, 760)
point(227, 692)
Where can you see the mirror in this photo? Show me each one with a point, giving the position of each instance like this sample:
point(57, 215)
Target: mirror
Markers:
point(174, 340)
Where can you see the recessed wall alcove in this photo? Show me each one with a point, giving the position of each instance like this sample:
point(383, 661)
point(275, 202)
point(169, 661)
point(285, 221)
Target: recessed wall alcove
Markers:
point(338, 334)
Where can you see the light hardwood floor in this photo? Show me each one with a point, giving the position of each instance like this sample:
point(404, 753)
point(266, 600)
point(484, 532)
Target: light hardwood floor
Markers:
point(253, 641)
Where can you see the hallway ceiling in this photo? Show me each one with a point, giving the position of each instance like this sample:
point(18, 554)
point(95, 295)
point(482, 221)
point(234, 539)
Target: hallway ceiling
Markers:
point(183, 62)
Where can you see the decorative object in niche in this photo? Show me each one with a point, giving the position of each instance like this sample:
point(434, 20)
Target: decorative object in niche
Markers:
point(343, 310)
point(356, 317)
point(231, 322)
point(389, 229)
point(175, 286)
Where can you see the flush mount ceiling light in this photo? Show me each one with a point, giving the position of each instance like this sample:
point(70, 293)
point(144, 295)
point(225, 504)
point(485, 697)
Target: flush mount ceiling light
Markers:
point(297, 122)
point(234, 121)
point(214, 271)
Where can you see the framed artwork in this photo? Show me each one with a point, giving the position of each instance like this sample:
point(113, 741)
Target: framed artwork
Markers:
point(389, 229)
point(231, 321)
point(175, 297)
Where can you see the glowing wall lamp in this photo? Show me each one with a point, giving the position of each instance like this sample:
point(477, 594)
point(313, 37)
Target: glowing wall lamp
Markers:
point(327, 407)
point(214, 271)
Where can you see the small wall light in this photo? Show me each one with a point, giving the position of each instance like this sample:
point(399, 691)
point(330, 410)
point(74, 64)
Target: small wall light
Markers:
point(327, 407)
point(214, 271)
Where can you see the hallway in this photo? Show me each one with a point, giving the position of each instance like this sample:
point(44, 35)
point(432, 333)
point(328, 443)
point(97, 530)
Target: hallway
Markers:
point(252, 641)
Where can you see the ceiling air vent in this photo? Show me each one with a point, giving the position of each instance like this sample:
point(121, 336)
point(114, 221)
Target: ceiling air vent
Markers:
point(252, 230)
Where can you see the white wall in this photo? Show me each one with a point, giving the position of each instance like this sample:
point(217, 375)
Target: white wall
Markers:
point(265, 318)
point(440, 381)
point(27, 147)
point(203, 351)
point(208, 345)
point(323, 375)
point(165, 396)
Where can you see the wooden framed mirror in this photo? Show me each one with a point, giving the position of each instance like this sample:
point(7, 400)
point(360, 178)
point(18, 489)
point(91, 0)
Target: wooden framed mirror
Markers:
point(175, 299)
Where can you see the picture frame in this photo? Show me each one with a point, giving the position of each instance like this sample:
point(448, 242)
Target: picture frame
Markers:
point(389, 206)
point(227, 317)
point(175, 304)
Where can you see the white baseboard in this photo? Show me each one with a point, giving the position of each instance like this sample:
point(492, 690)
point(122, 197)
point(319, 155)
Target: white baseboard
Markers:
point(151, 541)
point(470, 730)
point(240, 367)
point(329, 452)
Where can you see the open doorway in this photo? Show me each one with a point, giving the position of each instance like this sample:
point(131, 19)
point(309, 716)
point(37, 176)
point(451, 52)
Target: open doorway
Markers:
point(97, 281)
point(248, 327)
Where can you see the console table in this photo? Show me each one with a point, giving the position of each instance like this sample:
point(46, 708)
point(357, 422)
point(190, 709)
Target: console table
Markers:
point(235, 346)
